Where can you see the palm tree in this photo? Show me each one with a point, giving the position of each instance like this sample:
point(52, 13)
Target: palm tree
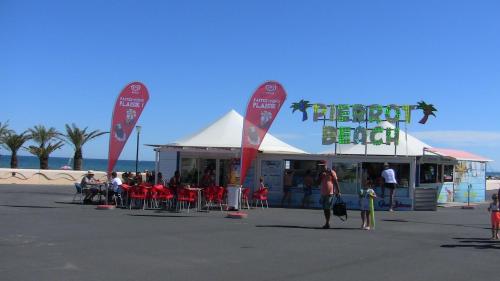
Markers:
point(13, 142)
point(78, 138)
point(427, 109)
point(301, 106)
point(4, 129)
point(44, 137)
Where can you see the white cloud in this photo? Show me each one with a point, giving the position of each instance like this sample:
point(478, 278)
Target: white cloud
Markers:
point(460, 138)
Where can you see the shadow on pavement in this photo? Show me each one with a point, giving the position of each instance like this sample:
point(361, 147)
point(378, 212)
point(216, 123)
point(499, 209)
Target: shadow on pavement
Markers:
point(478, 226)
point(305, 227)
point(476, 243)
point(68, 203)
point(161, 216)
point(29, 206)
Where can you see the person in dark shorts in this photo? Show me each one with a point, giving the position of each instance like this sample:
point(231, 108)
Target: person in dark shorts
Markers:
point(329, 187)
point(308, 184)
point(287, 188)
point(390, 183)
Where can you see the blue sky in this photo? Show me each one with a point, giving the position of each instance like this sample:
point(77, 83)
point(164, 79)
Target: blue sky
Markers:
point(66, 61)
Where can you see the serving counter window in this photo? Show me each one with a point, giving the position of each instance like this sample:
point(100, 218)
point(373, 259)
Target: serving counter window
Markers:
point(448, 173)
point(429, 173)
point(189, 171)
point(347, 175)
point(296, 170)
point(371, 175)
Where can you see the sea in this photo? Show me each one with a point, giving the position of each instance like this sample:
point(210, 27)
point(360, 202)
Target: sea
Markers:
point(493, 174)
point(55, 163)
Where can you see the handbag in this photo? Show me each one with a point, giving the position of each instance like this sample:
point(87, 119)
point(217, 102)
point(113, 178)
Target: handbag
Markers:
point(340, 208)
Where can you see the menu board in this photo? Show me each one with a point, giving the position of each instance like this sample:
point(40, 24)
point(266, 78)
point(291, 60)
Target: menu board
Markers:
point(272, 172)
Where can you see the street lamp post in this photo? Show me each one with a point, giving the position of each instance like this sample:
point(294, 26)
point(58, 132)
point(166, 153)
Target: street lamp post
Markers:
point(138, 129)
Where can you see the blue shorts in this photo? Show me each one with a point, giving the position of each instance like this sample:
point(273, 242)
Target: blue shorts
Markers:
point(326, 201)
point(307, 192)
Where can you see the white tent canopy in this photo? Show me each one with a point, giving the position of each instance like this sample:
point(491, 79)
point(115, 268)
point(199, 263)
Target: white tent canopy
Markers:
point(408, 146)
point(225, 133)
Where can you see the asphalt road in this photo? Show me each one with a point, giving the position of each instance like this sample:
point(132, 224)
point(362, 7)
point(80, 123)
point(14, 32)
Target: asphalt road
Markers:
point(44, 237)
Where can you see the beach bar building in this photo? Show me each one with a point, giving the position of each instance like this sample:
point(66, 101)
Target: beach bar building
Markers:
point(215, 150)
point(426, 175)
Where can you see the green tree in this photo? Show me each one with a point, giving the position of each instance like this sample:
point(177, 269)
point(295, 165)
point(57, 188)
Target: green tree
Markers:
point(4, 128)
point(13, 142)
point(48, 142)
point(78, 137)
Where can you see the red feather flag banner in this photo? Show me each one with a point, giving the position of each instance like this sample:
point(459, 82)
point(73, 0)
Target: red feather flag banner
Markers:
point(128, 109)
point(262, 108)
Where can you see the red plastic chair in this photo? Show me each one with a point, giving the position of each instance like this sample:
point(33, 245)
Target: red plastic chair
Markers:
point(245, 197)
point(154, 195)
point(166, 196)
point(138, 193)
point(220, 193)
point(184, 196)
point(261, 195)
point(209, 196)
point(125, 193)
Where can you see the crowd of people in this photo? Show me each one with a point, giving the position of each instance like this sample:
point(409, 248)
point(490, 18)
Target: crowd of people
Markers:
point(92, 187)
point(326, 180)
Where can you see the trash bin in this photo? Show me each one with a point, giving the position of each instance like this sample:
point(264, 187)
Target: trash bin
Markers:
point(233, 197)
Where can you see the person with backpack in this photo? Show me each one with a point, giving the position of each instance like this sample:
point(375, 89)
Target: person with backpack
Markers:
point(329, 186)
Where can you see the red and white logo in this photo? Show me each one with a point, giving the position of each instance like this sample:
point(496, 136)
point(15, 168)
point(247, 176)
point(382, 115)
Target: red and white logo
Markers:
point(135, 88)
point(270, 88)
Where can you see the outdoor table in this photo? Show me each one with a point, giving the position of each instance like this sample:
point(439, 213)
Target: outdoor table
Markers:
point(99, 185)
point(198, 191)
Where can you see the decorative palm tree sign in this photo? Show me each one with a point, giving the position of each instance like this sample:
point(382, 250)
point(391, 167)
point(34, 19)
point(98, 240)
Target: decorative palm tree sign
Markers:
point(360, 116)
point(301, 106)
point(427, 109)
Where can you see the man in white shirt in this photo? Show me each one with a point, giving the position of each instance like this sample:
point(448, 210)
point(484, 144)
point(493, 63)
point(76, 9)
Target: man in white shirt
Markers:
point(389, 182)
point(116, 183)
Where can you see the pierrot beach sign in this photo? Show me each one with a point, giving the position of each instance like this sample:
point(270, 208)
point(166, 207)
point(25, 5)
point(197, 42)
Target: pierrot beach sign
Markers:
point(338, 119)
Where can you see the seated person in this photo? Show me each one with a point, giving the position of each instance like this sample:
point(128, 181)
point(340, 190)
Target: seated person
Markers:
point(160, 178)
point(138, 178)
point(261, 186)
point(115, 188)
point(88, 188)
point(175, 182)
point(206, 180)
point(125, 178)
